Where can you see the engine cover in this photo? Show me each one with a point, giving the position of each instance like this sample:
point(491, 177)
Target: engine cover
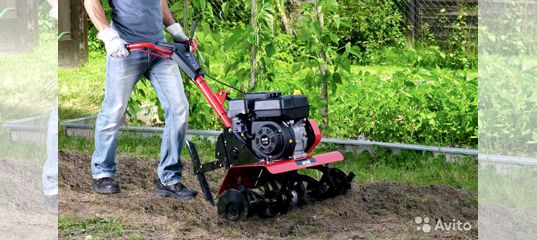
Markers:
point(272, 125)
point(283, 140)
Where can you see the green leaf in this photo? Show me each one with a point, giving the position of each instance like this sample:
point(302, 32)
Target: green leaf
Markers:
point(225, 8)
point(336, 78)
point(329, 5)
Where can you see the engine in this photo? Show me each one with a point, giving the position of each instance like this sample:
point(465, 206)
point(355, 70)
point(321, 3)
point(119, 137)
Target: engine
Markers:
point(273, 126)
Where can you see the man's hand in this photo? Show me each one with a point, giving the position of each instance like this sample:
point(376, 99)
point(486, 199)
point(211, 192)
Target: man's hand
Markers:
point(115, 46)
point(177, 33)
point(53, 13)
point(194, 45)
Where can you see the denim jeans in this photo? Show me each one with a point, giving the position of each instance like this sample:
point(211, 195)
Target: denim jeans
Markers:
point(50, 169)
point(121, 76)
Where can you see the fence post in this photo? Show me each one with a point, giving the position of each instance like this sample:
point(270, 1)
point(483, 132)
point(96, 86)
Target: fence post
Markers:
point(73, 43)
point(18, 25)
point(414, 16)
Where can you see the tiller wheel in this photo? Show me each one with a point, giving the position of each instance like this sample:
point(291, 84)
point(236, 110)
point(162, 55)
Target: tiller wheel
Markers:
point(279, 193)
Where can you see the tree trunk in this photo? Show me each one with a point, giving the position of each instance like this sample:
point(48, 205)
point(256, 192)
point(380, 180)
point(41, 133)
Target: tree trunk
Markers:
point(322, 69)
point(283, 17)
point(253, 56)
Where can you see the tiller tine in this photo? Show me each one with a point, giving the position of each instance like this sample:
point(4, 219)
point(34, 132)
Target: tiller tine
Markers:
point(198, 169)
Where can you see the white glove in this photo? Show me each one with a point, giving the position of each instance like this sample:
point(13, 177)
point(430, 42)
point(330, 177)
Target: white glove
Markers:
point(53, 13)
point(177, 32)
point(115, 46)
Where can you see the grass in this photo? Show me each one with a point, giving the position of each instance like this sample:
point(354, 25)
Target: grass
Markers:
point(81, 89)
point(516, 188)
point(106, 227)
point(97, 228)
point(28, 89)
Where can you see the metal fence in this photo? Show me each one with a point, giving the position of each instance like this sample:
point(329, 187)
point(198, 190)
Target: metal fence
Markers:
point(441, 19)
point(435, 20)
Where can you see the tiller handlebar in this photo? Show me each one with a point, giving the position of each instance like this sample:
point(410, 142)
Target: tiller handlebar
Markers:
point(183, 55)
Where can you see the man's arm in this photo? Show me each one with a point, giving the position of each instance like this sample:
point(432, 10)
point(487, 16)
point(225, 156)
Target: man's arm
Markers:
point(54, 11)
point(53, 3)
point(115, 46)
point(167, 17)
point(95, 11)
point(172, 27)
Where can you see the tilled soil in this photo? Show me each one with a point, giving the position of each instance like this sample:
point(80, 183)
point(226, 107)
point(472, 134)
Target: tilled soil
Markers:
point(372, 210)
point(23, 214)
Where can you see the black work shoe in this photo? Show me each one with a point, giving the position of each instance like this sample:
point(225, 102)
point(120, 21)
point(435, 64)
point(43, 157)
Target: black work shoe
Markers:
point(106, 185)
point(178, 191)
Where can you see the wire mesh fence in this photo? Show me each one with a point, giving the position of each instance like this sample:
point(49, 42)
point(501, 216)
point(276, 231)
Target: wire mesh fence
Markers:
point(435, 20)
point(440, 18)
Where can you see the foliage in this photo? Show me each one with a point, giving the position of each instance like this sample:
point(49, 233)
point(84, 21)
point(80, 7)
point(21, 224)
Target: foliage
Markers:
point(414, 105)
point(47, 24)
point(507, 30)
point(422, 104)
point(508, 110)
point(371, 25)
point(385, 103)
point(457, 43)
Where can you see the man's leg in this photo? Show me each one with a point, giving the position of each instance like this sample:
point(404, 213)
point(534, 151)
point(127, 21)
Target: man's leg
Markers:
point(166, 80)
point(121, 76)
point(50, 169)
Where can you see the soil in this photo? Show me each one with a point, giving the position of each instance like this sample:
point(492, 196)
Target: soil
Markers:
point(23, 214)
point(371, 210)
point(507, 222)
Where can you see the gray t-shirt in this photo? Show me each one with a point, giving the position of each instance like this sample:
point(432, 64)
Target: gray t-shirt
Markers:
point(137, 20)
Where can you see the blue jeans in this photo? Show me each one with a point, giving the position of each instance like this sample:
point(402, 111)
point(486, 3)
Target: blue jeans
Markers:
point(121, 76)
point(50, 169)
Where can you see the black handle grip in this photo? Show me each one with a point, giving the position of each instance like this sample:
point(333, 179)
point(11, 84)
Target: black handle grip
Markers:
point(192, 30)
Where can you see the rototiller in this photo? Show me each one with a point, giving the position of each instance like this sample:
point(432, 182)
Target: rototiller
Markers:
point(267, 138)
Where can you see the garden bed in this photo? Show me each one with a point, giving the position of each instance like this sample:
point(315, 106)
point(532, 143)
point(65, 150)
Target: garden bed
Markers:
point(371, 210)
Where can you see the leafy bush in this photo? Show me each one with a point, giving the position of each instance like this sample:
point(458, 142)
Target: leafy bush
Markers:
point(508, 109)
point(375, 25)
point(412, 106)
point(424, 104)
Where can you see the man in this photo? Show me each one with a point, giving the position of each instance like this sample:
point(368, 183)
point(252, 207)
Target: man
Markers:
point(49, 175)
point(139, 21)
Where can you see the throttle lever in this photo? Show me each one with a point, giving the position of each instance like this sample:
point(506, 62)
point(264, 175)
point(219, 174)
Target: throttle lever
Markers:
point(192, 29)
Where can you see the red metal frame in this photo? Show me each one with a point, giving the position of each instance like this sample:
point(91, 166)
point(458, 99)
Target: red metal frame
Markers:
point(214, 100)
point(316, 133)
point(247, 172)
point(156, 48)
point(222, 95)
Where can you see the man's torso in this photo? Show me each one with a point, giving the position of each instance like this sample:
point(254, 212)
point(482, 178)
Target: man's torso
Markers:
point(137, 20)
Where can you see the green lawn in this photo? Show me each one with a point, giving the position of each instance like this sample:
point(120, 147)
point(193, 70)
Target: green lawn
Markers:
point(28, 89)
